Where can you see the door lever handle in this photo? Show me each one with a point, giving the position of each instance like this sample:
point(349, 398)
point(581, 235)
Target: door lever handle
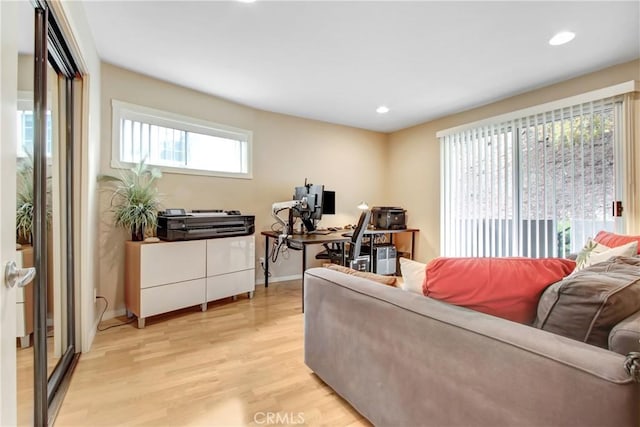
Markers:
point(18, 276)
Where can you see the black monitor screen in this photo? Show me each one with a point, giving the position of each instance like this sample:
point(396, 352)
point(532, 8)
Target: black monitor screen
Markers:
point(313, 195)
point(328, 202)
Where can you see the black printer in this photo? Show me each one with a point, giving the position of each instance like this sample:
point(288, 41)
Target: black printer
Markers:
point(176, 224)
point(388, 218)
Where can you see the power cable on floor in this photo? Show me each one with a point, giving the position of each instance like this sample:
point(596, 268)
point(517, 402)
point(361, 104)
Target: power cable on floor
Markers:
point(106, 305)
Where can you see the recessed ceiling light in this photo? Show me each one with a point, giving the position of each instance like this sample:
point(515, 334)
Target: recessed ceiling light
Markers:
point(247, 1)
point(562, 38)
point(383, 109)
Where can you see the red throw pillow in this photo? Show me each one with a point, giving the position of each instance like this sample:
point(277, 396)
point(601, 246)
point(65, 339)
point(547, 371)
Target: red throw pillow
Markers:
point(614, 240)
point(505, 287)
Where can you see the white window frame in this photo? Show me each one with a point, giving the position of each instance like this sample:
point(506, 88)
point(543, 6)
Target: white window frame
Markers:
point(124, 110)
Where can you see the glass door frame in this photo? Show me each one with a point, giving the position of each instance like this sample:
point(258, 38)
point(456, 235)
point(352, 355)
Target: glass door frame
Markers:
point(52, 48)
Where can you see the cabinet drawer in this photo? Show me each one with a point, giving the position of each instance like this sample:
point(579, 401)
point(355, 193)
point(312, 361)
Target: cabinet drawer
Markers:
point(230, 254)
point(172, 262)
point(226, 285)
point(161, 299)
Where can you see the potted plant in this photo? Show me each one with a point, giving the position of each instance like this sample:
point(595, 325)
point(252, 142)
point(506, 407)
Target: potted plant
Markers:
point(135, 201)
point(24, 200)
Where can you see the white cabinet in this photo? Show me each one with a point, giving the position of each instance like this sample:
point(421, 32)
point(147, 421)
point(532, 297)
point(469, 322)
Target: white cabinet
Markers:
point(172, 262)
point(230, 254)
point(161, 299)
point(166, 276)
point(230, 266)
point(24, 299)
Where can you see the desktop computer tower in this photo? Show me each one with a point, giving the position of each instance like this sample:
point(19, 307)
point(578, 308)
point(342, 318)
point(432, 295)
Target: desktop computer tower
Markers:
point(385, 257)
point(360, 263)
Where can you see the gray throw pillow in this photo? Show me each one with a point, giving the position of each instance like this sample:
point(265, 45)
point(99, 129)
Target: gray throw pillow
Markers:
point(587, 304)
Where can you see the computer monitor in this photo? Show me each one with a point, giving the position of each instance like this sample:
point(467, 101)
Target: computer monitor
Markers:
point(313, 195)
point(328, 202)
point(319, 202)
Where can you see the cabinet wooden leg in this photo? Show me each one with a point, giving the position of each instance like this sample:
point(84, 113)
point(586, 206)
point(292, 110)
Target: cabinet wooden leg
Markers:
point(234, 297)
point(250, 294)
point(140, 322)
point(203, 306)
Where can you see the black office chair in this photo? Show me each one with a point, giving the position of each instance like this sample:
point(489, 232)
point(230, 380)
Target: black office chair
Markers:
point(334, 251)
point(355, 246)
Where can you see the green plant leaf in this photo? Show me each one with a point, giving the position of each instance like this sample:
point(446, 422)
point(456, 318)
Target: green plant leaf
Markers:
point(134, 200)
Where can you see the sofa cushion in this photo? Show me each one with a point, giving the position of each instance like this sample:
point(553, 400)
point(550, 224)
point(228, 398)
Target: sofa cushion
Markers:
point(385, 280)
point(614, 240)
point(588, 304)
point(413, 275)
point(625, 336)
point(594, 253)
point(505, 287)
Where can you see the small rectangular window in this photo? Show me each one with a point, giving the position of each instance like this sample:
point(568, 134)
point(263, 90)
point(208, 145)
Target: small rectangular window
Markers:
point(25, 126)
point(179, 144)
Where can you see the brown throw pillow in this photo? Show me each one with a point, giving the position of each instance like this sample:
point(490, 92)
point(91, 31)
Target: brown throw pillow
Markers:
point(385, 280)
point(588, 304)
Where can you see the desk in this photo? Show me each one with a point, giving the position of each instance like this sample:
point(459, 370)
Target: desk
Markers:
point(339, 236)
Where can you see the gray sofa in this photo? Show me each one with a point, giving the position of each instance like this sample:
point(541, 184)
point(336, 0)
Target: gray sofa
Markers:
point(401, 359)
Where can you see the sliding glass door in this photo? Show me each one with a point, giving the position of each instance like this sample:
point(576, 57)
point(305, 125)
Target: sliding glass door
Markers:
point(536, 186)
point(46, 163)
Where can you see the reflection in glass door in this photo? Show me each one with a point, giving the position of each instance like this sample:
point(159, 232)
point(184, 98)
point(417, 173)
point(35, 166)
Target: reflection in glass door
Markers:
point(45, 162)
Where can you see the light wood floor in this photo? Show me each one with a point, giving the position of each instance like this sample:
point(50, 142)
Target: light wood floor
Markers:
point(228, 366)
point(24, 378)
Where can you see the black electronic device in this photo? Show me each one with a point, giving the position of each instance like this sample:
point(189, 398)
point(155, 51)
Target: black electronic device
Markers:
point(310, 210)
point(317, 201)
point(204, 225)
point(385, 257)
point(328, 202)
point(388, 218)
point(313, 196)
point(207, 211)
point(173, 212)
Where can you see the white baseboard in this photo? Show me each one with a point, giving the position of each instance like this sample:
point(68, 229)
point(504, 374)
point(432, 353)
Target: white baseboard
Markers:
point(279, 279)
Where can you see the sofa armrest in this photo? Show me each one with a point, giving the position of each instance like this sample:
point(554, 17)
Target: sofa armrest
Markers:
point(381, 347)
point(625, 336)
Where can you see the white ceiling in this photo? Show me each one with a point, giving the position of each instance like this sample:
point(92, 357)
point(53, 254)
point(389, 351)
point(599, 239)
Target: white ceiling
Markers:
point(337, 61)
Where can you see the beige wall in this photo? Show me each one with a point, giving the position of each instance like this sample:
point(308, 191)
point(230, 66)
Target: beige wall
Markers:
point(76, 27)
point(414, 157)
point(286, 150)
point(398, 169)
point(25, 73)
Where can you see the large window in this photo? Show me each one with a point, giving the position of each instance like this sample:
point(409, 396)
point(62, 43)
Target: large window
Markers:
point(179, 144)
point(535, 186)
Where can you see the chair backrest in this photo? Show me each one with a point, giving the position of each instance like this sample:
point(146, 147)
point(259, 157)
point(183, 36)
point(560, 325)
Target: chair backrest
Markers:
point(358, 234)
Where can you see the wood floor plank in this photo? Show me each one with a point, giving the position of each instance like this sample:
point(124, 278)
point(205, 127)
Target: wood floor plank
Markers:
point(232, 365)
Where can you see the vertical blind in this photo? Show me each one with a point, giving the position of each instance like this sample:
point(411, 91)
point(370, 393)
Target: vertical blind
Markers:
point(535, 186)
